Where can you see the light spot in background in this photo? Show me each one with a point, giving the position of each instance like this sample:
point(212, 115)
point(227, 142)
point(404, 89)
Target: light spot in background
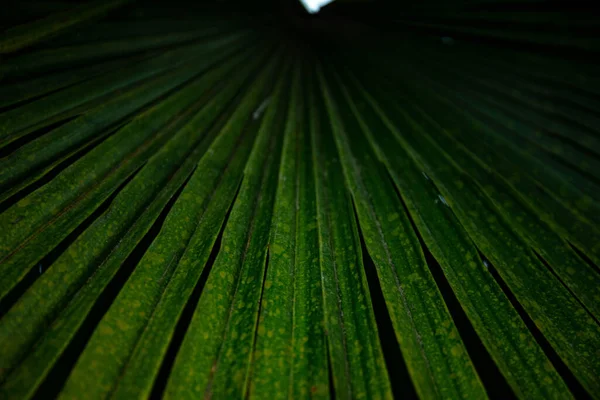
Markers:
point(313, 6)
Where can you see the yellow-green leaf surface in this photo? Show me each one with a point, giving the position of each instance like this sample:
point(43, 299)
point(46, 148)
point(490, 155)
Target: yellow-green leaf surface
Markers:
point(355, 354)
point(224, 161)
point(421, 320)
point(503, 332)
point(290, 357)
point(216, 353)
point(61, 281)
point(502, 248)
point(239, 200)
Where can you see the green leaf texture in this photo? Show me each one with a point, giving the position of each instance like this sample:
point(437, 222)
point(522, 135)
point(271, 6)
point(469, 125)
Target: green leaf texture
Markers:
point(383, 201)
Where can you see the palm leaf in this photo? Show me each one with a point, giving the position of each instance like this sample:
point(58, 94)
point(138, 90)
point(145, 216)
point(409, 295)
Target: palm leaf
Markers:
point(216, 203)
point(215, 353)
point(452, 248)
point(349, 319)
point(26, 35)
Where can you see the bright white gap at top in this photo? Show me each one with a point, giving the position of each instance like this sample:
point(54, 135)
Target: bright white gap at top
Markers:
point(313, 6)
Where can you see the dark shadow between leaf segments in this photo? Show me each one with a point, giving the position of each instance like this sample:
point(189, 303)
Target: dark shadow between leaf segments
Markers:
point(332, 394)
point(260, 302)
point(32, 99)
point(160, 383)
point(494, 382)
point(572, 383)
point(42, 266)
point(402, 385)
point(53, 173)
point(56, 378)
point(558, 278)
point(584, 257)
point(574, 169)
point(23, 140)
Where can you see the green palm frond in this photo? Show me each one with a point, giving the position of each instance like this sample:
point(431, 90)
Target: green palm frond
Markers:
point(216, 202)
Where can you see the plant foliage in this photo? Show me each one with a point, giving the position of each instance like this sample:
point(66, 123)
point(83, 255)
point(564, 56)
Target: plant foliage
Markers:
point(205, 204)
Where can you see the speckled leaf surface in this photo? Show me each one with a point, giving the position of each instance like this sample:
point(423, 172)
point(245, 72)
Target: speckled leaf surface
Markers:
point(503, 332)
point(181, 152)
point(237, 200)
point(355, 354)
point(421, 320)
point(217, 351)
point(290, 358)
